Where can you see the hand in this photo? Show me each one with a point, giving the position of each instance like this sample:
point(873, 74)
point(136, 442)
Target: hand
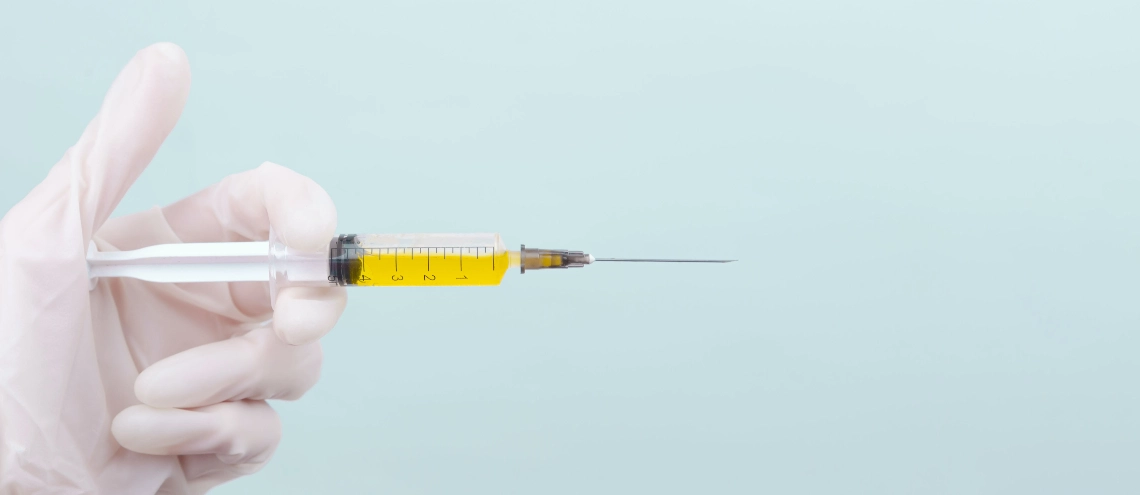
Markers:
point(178, 374)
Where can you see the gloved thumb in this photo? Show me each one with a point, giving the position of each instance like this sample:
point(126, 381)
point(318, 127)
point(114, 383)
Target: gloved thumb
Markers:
point(137, 114)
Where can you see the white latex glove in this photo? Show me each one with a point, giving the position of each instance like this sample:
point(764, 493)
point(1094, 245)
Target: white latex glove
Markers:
point(137, 387)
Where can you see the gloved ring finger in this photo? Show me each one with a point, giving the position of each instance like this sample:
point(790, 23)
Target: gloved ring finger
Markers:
point(237, 432)
point(255, 366)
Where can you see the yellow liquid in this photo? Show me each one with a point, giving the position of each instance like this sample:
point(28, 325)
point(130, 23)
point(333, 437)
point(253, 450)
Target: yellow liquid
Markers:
point(430, 266)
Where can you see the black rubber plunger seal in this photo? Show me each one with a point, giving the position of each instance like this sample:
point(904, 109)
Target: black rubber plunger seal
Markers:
point(342, 250)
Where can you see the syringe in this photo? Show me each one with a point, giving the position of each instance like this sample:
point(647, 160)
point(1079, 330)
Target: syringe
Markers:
point(399, 260)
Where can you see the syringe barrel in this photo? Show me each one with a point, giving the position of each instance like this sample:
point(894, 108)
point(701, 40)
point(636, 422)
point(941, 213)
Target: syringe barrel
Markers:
point(402, 260)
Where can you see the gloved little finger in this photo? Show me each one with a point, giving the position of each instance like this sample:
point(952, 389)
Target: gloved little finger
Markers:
point(237, 432)
point(205, 471)
point(256, 366)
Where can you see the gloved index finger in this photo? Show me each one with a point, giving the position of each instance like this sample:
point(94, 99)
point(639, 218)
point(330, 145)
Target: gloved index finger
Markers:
point(243, 207)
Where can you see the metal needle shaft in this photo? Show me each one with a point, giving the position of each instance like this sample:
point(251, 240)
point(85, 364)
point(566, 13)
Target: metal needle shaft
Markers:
point(648, 260)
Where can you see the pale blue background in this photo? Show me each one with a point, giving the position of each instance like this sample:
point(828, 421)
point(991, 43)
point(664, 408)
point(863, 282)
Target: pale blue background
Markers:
point(934, 204)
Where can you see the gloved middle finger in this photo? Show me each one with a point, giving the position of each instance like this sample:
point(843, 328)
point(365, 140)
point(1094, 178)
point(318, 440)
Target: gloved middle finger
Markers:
point(255, 366)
